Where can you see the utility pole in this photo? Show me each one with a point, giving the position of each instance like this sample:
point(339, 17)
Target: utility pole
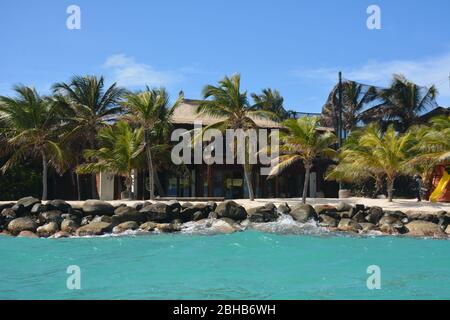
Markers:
point(340, 124)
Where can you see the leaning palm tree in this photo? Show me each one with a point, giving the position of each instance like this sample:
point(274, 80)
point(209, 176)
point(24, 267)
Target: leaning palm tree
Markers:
point(121, 149)
point(152, 112)
point(301, 144)
point(355, 99)
point(403, 103)
point(270, 100)
point(382, 153)
point(30, 127)
point(232, 110)
point(92, 108)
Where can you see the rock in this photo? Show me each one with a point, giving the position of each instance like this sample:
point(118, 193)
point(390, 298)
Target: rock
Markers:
point(168, 227)
point(187, 214)
point(283, 209)
point(28, 202)
point(344, 215)
point(268, 213)
point(391, 220)
point(158, 212)
point(68, 216)
point(230, 209)
point(19, 209)
point(148, 226)
point(367, 227)
point(399, 215)
point(129, 225)
point(388, 229)
point(343, 206)
point(8, 215)
point(27, 234)
point(303, 213)
point(60, 205)
point(86, 220)
point(129, 214)
point(348, 225)
point(447, 231)
point(94, 229)
point(61, 234)
point(359, 217)
point(97, 207)
point(222, 226)
point(174, 208)
point(50, 216)
point(138, 206)
point(106, 219)
point(39, 208)
point(186, 205)
point(6, 206)
point(212, 206)
point(18, 225)
point(69, 226)
point(375, 214)
point(424, 229)
point(327, 222)
point(47, 230)
point(423, 216)
point(444, 221)
point(325, 209)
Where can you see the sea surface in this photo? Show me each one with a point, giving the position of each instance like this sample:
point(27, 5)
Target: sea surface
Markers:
point(266, 264)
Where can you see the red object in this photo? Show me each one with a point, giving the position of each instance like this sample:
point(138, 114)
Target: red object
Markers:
point(438, 174)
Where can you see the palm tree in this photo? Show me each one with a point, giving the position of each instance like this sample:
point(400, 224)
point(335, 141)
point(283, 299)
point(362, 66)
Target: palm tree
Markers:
point(355, 99)
point(380, 153)
point(92, 108)
point(232, 110)
point(302, 143)
point(270, 100)
point(121, 149)
point(403, 103)
point(151, 111)
point(30, 128)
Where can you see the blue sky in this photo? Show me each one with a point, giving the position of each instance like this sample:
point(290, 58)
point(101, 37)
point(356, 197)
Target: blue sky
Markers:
point(295, 46)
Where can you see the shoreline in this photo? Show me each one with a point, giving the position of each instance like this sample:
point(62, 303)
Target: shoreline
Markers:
point(32, 218)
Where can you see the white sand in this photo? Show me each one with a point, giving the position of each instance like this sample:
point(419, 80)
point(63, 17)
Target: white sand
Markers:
point(401, 205)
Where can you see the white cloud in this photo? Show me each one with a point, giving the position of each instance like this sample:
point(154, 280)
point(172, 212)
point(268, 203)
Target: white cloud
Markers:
point(424, 72)
point(126, 71)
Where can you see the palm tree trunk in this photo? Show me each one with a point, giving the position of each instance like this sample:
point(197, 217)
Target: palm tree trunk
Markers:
point(151, 172)
point(78, 187)
point(247, 174)
point(306, 182)
point(158, 184)
point(44, 177)
point(94, 192)
point(390, 188)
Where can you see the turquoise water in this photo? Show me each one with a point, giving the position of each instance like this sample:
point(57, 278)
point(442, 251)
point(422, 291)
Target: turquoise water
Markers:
point(247, 265)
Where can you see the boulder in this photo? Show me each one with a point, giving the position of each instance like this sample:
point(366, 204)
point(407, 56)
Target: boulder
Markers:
point(444, 221)
point(325, 209)
point(69, 226)
point(423, 216)
point(138, 206)
point(168, 227)
point(28, 202)
point(174, 208)
point(348, 225)
point(212, 206)
point(303, 213)
point(94, 229)
point(47, 230)
point(424, 229)
point(6, 206)
point(187, 213)
point(59, 205)
point(18, 225)
point(39, 208)
point(223, 227)
point(283, 209)
point(391, 220)
point(68, 216)
point(158, 212)
point(375, 214)
point(327, 222)
point(125, 214)
point(367, 227)
point(19, 209)
point(50, 216)
point(129, 225)
point(8, 215)
point(27, 234)
point(97, 207)
point(148, 226)
point(230, 209)
point(199, 215)
point(86, 220)
point(399, 215)
point(359, 217)
point(106, 219)
point(447, 231)
point(343, 206)
point(268, 213)
point(61, 234)
point(389, 229)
